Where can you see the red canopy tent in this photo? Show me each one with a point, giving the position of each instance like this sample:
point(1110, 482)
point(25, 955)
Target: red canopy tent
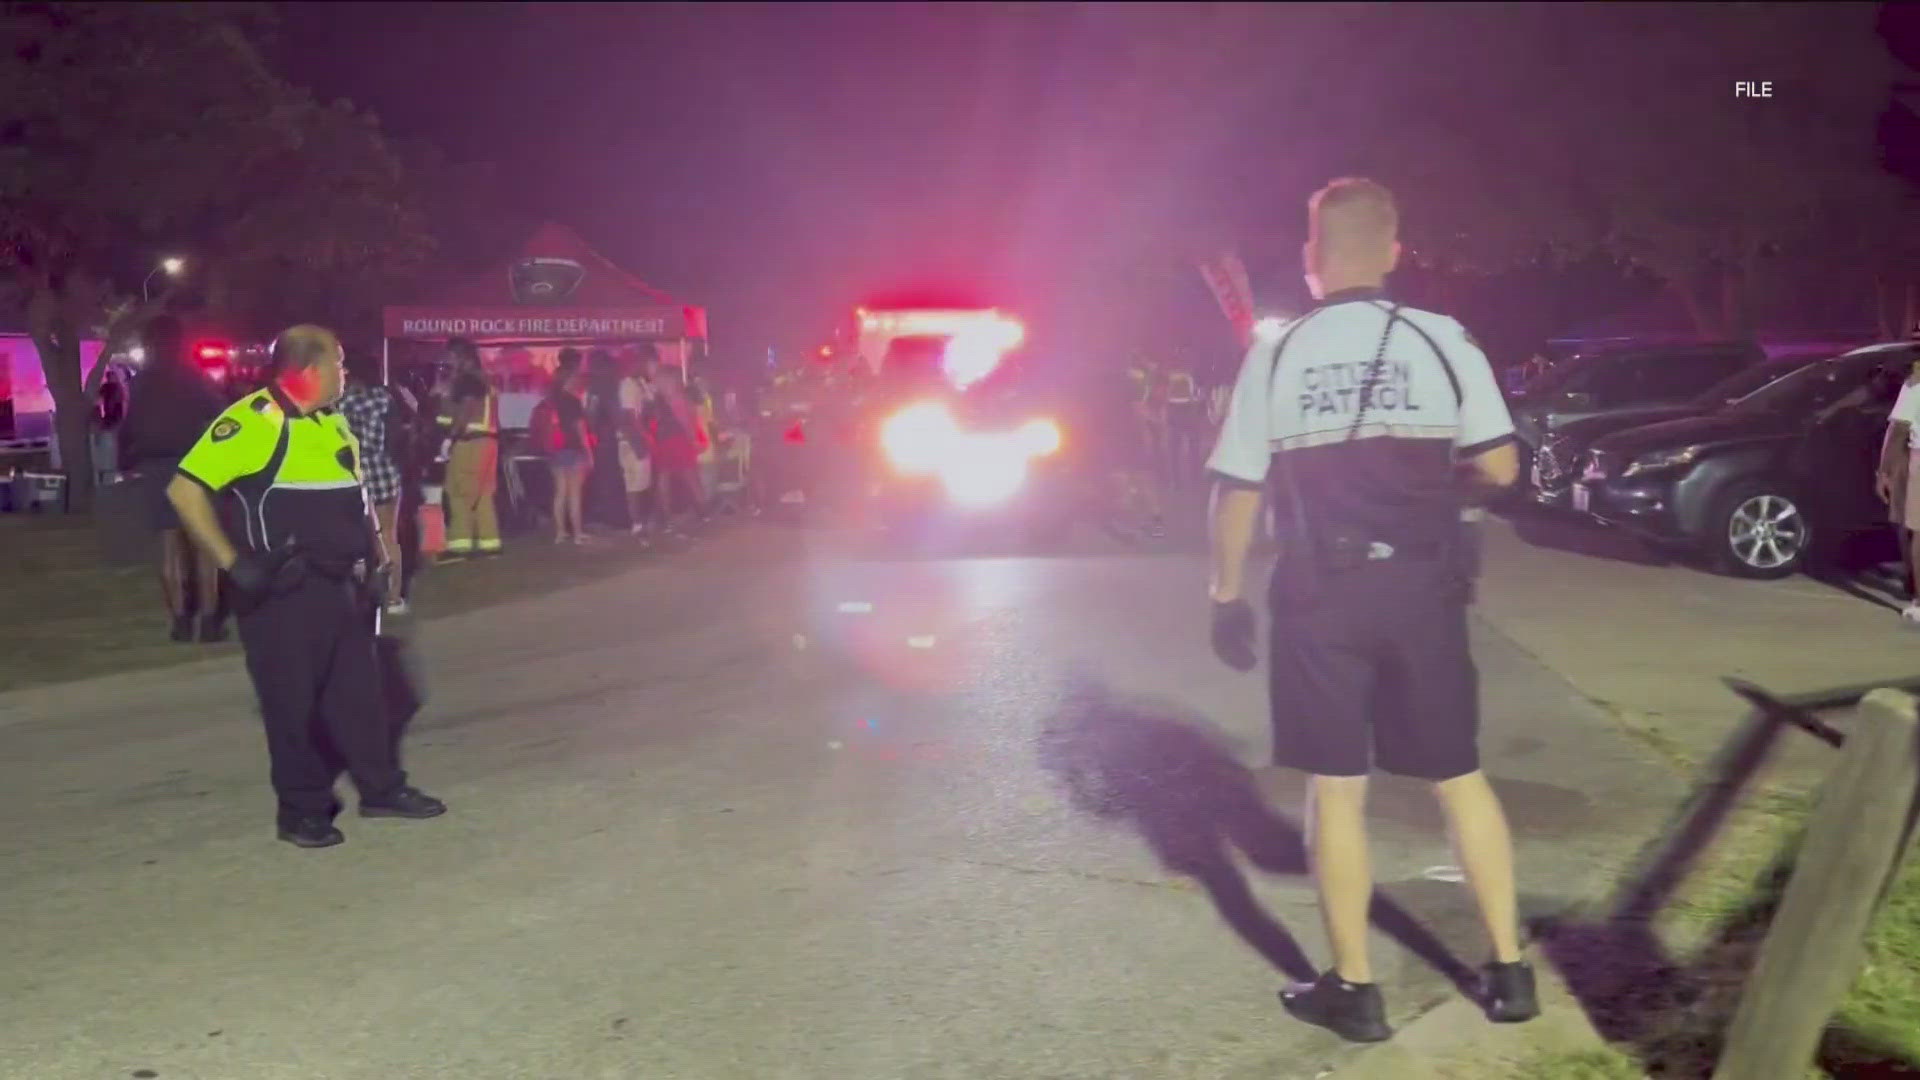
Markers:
point(557, 291)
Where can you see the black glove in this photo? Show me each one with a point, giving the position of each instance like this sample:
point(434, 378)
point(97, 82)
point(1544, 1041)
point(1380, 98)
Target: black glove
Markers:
point(252, 575)
point(1234, 631)
point(256, 576)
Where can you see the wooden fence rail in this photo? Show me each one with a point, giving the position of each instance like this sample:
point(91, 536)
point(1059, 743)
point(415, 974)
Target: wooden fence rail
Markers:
point(1857, 837)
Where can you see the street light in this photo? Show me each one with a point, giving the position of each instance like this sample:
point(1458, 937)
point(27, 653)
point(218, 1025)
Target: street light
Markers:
point(171, 266)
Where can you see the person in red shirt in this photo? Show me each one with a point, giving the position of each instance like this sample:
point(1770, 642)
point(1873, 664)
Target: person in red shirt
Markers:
point(560, 432)
point(675, 431)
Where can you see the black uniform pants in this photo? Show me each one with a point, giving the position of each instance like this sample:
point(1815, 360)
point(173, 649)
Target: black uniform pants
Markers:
point(311, 653)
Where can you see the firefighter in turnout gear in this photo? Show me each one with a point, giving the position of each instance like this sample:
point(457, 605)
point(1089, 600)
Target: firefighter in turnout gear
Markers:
point(470, 419)
point(308, 578)
point(1370, 426)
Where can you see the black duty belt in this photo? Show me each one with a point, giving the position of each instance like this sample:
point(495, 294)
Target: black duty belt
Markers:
point(335, 569)
point(1356, 549)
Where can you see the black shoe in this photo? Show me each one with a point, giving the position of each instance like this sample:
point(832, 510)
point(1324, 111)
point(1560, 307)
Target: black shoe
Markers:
point(1507, 992)
point(182, 628)
point(1353, 1011)
point(407, 802)
point(213, 629)
point(310, 831)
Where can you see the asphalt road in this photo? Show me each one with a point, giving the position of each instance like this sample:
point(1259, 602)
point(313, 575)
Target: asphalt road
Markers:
point(766, 810)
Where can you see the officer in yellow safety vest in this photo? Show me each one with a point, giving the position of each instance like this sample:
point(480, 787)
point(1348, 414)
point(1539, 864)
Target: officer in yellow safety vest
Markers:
point(470, 421)
point(308, 579)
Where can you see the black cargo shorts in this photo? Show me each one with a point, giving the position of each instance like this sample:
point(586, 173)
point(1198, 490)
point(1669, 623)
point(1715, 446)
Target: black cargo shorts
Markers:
point(1373, 668)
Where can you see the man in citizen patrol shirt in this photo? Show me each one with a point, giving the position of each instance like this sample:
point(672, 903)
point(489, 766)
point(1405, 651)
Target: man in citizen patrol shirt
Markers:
point(1370, 426)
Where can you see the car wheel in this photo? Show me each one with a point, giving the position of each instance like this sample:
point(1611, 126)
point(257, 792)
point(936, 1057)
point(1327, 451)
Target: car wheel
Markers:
point(1760, 530)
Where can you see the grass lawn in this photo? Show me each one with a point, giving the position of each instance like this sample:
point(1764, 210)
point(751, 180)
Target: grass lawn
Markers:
point(1676, 1020)
point(71, 616)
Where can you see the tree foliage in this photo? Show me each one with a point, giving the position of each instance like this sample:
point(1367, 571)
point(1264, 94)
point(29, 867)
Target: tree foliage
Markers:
point(1566, 130)
point(129, 131)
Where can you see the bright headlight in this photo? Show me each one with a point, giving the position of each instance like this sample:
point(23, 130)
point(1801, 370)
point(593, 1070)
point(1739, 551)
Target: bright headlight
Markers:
point(1661, 461)
point(1040, 437)
point(919, 438)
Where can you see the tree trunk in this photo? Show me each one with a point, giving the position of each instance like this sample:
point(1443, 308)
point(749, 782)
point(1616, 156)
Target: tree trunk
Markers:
point(73, 426)
point(58, 342)
point(1696, 311)
point(1733, 308)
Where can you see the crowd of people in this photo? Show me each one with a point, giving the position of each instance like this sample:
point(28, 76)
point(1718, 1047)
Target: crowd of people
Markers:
point(626, 447)
point(1160, 426)
point(629, 447)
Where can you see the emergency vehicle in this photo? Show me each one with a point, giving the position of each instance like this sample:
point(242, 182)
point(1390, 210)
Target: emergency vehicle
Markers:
point(952, 433)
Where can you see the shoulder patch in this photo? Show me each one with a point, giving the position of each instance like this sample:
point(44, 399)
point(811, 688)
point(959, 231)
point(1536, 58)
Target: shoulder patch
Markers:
point(224, 428)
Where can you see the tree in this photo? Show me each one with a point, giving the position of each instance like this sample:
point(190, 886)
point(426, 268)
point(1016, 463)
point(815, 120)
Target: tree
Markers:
point(128, 129)
point(1560, 131)
point(327, 229)
point(1710, 190)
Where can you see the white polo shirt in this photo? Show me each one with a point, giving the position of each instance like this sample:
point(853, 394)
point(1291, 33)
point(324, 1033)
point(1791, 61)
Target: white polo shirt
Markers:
point(1378, 456)
point(1906, 409)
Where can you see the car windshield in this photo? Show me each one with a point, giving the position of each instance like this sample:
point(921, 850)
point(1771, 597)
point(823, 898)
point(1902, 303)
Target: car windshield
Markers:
point(1812, 387)
point(1562, 368)
point(913, 363)
point(1747, 380)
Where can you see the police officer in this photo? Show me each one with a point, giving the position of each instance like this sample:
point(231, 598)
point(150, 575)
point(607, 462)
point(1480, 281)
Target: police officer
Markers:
point(309, 582)
point(1371, 426)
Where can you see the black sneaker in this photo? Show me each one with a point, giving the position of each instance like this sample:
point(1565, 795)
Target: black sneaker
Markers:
point(1354, 1011)
point(408, 802)
point(310, 831)
point(1507, 992)
point(213, 629)
point(182, 628)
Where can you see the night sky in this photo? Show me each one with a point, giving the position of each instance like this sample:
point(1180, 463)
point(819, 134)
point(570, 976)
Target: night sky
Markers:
point(776, 163)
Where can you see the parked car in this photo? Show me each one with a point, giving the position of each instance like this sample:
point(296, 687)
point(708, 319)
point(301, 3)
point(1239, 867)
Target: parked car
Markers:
point(1557, 461)
point(1763, 485)
point(1624, 377)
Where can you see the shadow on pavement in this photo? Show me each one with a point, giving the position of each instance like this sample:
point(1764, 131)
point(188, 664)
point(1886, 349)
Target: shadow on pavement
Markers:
point(1672, 1012)
point(1866, 567)
point(1563, 532)
point(1174, 781)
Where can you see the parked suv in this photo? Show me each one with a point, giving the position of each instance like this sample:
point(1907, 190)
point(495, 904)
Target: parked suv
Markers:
point(1557, 462)
point(1761, 485)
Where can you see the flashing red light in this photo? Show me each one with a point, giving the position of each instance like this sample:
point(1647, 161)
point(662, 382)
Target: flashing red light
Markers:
point(826, 352)
point(210, 353)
